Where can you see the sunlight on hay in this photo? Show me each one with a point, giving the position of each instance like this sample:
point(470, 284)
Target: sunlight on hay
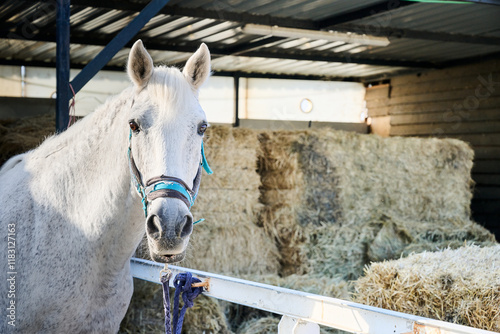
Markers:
point(229, 241)
point(264, 325)
point(460, 286)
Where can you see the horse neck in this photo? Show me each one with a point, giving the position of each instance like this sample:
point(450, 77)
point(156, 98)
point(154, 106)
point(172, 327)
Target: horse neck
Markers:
point(88, 171)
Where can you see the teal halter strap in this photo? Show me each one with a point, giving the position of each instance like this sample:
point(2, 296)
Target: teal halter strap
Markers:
point(204, 162)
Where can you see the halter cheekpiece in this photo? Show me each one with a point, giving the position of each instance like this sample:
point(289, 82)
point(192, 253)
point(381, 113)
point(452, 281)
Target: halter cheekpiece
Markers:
point(165, 186)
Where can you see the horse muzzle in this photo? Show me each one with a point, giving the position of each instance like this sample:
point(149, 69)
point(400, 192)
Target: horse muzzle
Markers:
point(168, 227)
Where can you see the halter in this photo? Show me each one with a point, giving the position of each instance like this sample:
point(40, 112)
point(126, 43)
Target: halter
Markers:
point(166, 186)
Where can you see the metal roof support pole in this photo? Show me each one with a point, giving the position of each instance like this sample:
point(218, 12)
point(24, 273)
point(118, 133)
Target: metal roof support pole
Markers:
point(62, 65)
point(236, 101)
point(117, 43)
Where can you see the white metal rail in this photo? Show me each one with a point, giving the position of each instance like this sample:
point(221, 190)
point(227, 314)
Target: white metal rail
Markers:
point(301, 311)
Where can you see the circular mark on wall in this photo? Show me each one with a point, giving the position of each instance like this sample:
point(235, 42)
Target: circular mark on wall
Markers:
point(306, 106)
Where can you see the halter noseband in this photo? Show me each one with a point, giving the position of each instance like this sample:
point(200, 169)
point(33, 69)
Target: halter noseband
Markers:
point(166, 186)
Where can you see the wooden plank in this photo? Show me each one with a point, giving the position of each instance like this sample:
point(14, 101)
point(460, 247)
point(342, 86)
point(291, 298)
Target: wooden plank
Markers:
point(443, 84)
point(447, 117)
point(379, 111)
point(18, 107)
point(486, 207)
point(487, 193)
point(432, 106)
point(486, 152)
point(377, 92)
point(446, 128)
point(466, 96)
point(486, 166)
point(480, 139)
point(490, 222)
point(381, 126)
point(450, 73)
point(378, 103)
point(486, 179)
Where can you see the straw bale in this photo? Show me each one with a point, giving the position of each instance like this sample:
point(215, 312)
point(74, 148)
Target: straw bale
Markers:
point(225, 245)
point(460, 286)
point(264, 325)
point(320, 285)
point(145, 313)
point(206, 316)
point(18, 136)
point(227, 200)
point(409, 178)
point(226, 136)
point(337, 200)
point(231, 178)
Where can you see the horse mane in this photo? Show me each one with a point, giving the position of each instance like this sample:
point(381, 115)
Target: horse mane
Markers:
point(169, 87)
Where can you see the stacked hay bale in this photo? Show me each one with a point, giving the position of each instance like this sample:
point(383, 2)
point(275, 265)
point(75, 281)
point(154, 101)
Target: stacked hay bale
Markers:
point(460, 286)
point(282, 182)
point(18, 136)
point(229, 240)
point(362, 198)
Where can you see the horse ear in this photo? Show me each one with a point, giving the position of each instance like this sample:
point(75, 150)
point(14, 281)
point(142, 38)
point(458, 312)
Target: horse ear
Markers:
point(140, 65)
point(197, 67)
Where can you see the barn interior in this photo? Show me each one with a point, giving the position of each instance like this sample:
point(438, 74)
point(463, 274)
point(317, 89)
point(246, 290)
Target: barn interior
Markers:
point(425, 76)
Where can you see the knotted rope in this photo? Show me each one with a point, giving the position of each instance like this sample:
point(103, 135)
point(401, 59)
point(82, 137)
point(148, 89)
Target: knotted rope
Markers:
point(186, 284)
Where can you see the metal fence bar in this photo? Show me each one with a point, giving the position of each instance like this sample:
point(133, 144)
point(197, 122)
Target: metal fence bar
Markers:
point(326, 311)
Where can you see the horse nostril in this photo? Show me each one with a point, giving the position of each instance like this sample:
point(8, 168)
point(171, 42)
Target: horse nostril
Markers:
point(188, 226)
point(153, 227)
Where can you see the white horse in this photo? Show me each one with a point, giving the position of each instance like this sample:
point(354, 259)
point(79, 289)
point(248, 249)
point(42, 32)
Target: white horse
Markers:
point(70, 217)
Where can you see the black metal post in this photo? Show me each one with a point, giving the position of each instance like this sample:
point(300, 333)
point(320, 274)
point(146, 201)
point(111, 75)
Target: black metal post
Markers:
point(236, 101)
point(62, 65)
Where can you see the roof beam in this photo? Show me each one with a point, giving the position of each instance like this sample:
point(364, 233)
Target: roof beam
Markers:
point(183, 46)
point(241, 74)
point(223, 13)
point(386, 6)
point(419, 34)
point(341, 58)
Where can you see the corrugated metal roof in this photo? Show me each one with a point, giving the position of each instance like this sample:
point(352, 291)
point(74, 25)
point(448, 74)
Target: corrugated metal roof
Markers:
point(422, 35)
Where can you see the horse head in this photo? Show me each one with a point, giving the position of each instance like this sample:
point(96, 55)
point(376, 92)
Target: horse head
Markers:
point(166, 128)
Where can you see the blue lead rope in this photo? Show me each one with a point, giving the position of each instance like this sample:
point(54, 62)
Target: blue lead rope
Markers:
point(183, 284)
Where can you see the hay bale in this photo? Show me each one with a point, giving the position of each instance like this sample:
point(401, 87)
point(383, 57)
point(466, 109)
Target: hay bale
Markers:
point(337, 200)
point(229, 241)
point(18, 136)
point(460, 286)
point(264, 325)
point(145, 313)
point(281, 192)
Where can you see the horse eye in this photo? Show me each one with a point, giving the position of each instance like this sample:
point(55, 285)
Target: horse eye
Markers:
point(133, 126)
point(202, 128)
